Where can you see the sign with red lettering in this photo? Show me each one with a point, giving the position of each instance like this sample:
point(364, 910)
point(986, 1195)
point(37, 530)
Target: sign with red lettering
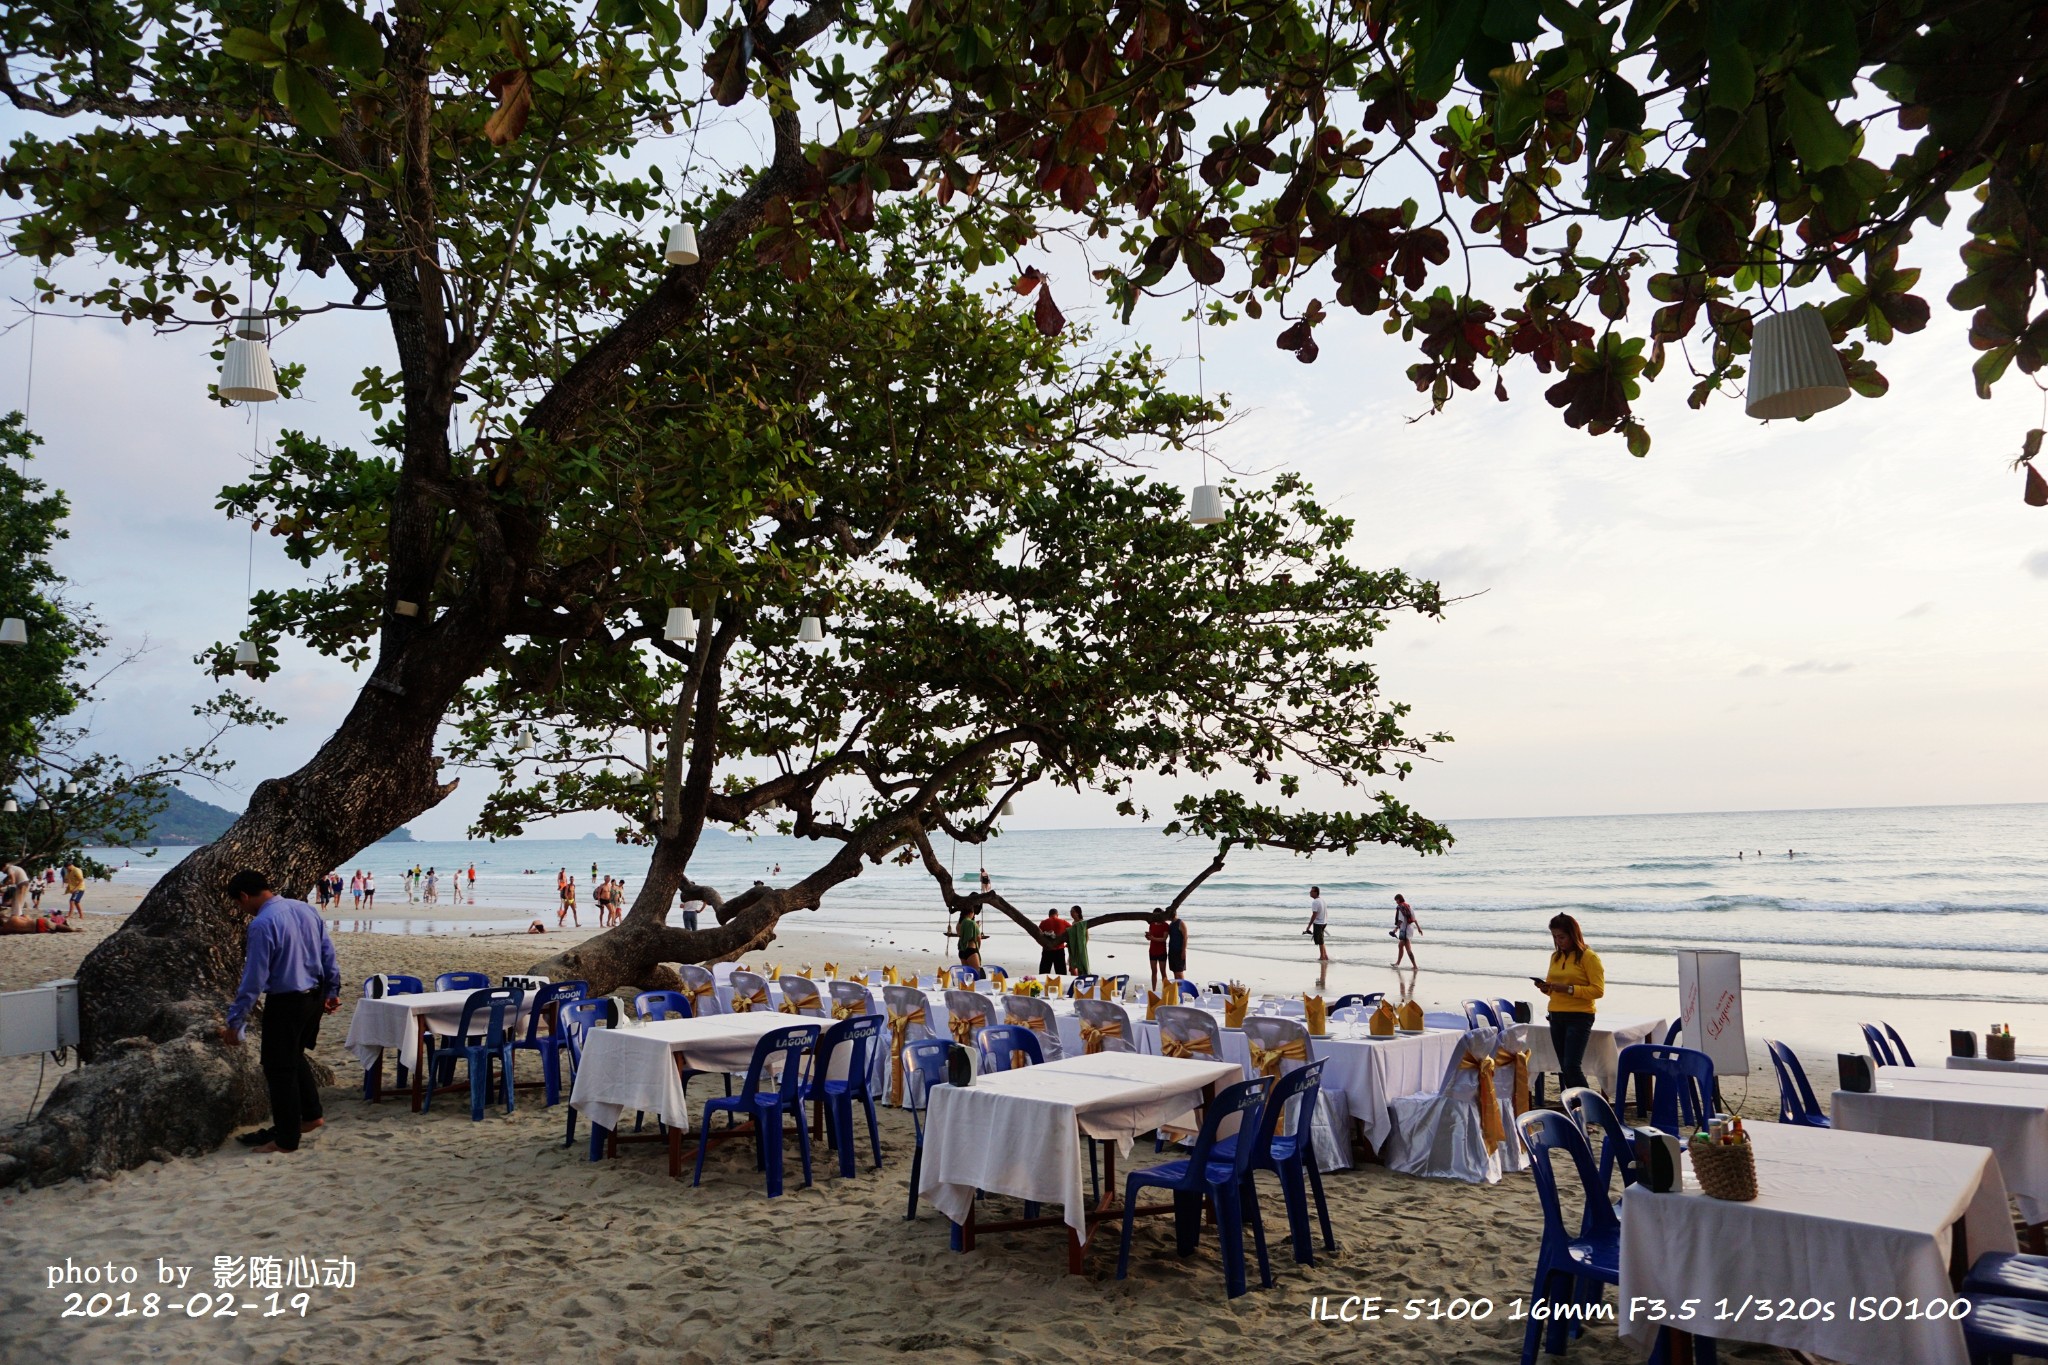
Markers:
point(1710, 1000)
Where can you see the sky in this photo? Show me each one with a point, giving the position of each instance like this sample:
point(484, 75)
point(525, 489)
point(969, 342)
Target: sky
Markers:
point(1840, 612)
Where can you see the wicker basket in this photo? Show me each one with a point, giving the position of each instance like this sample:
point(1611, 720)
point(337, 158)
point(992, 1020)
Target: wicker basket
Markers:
point(1999, 1047)
point(1725, 1170)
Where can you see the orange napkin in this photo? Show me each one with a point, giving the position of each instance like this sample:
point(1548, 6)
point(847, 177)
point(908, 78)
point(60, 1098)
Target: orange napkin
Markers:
point(1382, 1022)
point(1318, 1014)
point(1239, 1005)
point(1152, 1003)
point(1411, 1015)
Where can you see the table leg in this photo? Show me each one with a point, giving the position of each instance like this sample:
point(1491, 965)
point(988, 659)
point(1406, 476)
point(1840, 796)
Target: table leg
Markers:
point(1075, 1250)
point(675, 1152)
point(419, 1062)
point(1678, 1349)
point(377, 1078)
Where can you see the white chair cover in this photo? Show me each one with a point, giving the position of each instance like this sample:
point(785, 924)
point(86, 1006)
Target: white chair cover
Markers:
point(1513, 1156)
point(1022, 1009)
point(901, 1000)
point(1440, 1135)
point(1330, 1129)
point(804, 992)
point(967, 1005)
point(702, 1002)
point(752, 986)
point(1181, 1022)
point(1107, 1014)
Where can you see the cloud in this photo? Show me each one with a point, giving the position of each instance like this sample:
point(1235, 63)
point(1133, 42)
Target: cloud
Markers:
point(1921, 610)
point(1753, 671)
point(2036, 564)
point(1816, 666)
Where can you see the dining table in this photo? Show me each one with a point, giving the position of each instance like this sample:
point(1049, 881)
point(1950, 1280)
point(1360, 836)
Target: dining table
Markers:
point(1603, 1048)
point(2007, 1112)
point(1024, 1132)
point(1848, 1231)
point(403, 1023)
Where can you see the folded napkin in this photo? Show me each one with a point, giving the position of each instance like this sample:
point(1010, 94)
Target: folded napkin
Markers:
point(1382, 1022)
point(831, 971)
point(1411, 1015)
point(774, 972)
point(1105, 989)
point(1052, 987)
point(1238, 1005)
point(804, 970)
point(1317, 1012)
point(1152, 1003)
point(889, 977)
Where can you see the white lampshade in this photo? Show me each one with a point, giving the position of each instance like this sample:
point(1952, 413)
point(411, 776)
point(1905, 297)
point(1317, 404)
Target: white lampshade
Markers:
point(1205, 508)
point(249, 324)
point(11, 806)
point(1006, 809)
point(1793, 368)
point(71, 789)
point(245, 655)
point(13, 631)
point(682, 624)
point(682, 245)
point(245, 373)
point(525, 742)
point(404, 608)
point(810, 631)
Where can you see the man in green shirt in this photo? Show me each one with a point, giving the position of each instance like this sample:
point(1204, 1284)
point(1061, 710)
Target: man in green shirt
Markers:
point(1077, 944)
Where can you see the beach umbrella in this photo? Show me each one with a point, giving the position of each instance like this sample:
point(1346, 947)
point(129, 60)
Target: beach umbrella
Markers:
point(1793, 368)
point(13, 631)
point(1205, 508)
point(810, 631)
point(682, 245)
point(245, 373)
point(245, 656)
point(682, 624)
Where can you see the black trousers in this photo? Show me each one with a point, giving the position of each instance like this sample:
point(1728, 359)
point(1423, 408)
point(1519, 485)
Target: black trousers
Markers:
point(291, 1025)
point(1569, 1034)
point(1052, 960)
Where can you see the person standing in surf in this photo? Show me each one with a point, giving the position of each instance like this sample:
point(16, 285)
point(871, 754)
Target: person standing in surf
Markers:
point(1405, 930)
point(1318, 922)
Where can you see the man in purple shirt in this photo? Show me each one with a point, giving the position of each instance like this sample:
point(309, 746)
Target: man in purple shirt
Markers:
point(291, 964)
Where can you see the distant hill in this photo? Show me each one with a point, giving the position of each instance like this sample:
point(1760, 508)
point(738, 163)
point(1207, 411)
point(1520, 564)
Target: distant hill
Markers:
point(188, 820)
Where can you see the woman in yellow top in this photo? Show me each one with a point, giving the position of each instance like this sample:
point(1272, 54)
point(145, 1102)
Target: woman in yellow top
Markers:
point(1574, 982)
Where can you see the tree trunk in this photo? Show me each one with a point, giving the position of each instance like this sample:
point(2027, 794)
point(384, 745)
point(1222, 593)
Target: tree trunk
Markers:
point(155, 993)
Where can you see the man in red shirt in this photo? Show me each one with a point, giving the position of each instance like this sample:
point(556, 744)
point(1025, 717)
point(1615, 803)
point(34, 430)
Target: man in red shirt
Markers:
point(1053, 956)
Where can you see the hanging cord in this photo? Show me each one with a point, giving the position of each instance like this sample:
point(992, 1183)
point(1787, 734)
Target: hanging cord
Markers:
point(1201, 381)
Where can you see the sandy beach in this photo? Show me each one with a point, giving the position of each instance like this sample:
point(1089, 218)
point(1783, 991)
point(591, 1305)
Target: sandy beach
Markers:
point(484, 1241)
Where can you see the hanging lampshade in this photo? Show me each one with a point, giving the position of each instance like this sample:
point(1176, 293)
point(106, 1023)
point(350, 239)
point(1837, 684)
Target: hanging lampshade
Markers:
point(11, 807)
point(404, 608)
point(525, 741)
point(245, 655)
point(1205, 508)
point(682, 624)
point(1793, 368)
point(249, 324)
point(245, 373)
point(71, 789)
point(1006, 810)
point(13, 631)
point(682, 245)
point(810, 631)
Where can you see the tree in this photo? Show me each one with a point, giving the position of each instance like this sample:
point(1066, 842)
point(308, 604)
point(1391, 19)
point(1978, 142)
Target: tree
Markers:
point(468, 168)
point(69, 797)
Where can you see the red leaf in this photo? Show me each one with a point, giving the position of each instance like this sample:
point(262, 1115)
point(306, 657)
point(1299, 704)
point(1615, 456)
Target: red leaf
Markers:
point(1028, 281)
point(1047, 315)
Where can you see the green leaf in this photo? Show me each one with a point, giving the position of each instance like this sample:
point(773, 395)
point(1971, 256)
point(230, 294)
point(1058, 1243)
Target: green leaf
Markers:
point(300, 91)
point(662, 24)
point(1820, 141)
point(693, 13)
point(1731, 75)
point(247, 45)
point(353, 40)
point(1512, 21)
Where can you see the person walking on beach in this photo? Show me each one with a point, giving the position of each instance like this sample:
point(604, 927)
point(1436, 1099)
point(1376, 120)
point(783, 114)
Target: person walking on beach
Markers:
point(1155, 949)
point(1052, 955)
point(291, 964)
point(568, 910)
point(369, 889)
point(1176, 944)
point(355, 889)
point(1077, 944)
point(472, 883)
point(74, 888)
point(1573, 983)
point(1318, 922)
point(970, 938)
point(1405, 930)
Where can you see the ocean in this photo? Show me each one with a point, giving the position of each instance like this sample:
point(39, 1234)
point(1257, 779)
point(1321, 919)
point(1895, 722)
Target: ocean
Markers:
point(1912, 902)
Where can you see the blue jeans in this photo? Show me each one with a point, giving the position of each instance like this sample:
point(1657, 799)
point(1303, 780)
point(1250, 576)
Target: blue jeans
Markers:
point(1569, 1034)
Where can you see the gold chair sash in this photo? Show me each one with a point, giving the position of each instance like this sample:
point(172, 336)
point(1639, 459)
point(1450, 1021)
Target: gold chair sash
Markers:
point(1520, 1062)
point(1093, 1036)
point(846, 1009)
point(1487, 1100)
point(697, 993)
point(964, 1025)
point(1197, 1045)
point(1266, 1060)
point(899, 1034)
point(744, 1004)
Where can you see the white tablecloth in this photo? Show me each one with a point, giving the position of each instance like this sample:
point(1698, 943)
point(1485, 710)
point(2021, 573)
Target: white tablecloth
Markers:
point(1840, 1216)
point(2007, 1114)
point(2020, 1065)
point(1603, 1049)
point(1019, 1132)
point(635, 1068)
point(389, 1022)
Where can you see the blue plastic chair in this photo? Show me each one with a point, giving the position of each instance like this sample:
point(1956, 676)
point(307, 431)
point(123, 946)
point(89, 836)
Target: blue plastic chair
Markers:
point(1672, 1083)
point(549, 1045)
point(578, 1018)
point(1905, 1057)
point(1000, 1044)
point(765, 1107)
point(477, 1050)
point(1479, 1014)
point(461, 981)
point(997, 973)
point(1188, 990)
point(1291, 1156)
point(658, 1005)
point(836, 1097)
point(2009, 1275)
point(1796, 1104)
point(924, 1059)
point(961, 977)
point(2001, 1328)
point(1364, 1000)
point(1880, 1050)
point(1504, 1010)
point(1226, 1180)
point(1570, 1270)
point(1672, 1034)
point(1589, 1109)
